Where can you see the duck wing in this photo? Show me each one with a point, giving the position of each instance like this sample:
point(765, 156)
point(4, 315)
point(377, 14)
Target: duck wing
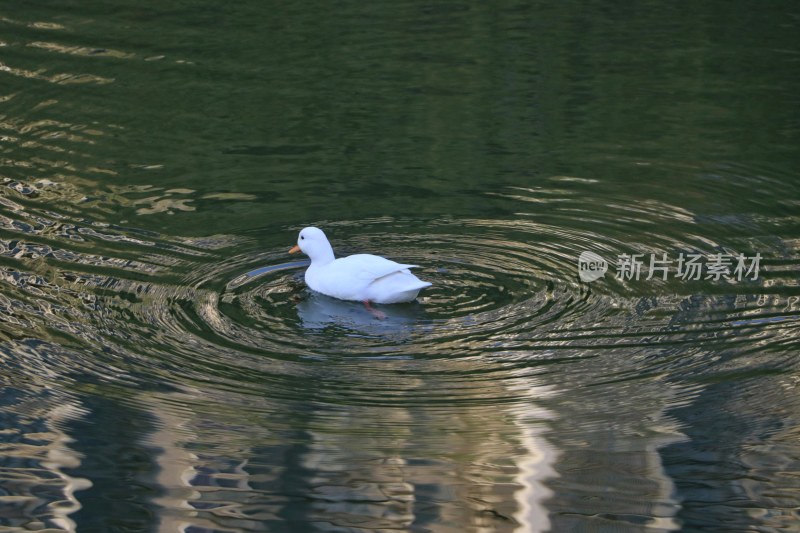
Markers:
point(387, 281)
point(365, 277)
point(372, 267)
point(350, 277)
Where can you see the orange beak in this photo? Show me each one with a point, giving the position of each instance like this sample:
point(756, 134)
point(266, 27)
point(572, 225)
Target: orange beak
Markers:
point(294, 249)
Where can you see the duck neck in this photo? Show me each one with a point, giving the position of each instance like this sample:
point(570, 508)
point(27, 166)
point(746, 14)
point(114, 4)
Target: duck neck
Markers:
point(322, 256)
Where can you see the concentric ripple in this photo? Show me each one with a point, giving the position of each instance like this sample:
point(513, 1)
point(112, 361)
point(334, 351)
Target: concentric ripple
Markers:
point(497, 287)
point(228, 321)
point(482, 288)
point(163, 366)
point(503, 286)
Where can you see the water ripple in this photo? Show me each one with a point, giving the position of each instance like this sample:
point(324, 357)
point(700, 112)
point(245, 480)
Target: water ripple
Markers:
point(152, 380)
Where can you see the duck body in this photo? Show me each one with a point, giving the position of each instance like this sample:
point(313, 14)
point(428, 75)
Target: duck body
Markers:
point(360, 277)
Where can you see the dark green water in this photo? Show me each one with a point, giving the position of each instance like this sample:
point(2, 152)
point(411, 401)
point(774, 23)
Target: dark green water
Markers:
point(165, 369)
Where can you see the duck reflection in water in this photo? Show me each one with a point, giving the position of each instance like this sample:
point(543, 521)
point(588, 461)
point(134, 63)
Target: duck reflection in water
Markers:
point(317, 311)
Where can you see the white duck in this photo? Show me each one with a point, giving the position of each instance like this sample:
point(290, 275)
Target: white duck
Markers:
point(361, 277)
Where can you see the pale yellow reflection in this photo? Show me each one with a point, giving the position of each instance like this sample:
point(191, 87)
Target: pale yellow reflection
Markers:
point(471, 468)
point(61, 78)
point(51, 450)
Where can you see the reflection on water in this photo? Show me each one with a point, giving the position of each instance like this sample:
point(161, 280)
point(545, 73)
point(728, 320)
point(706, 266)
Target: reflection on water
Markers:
point(34, 454)
point(165, 368)
point(366, 467)
point(319, 311)
point(502, 405)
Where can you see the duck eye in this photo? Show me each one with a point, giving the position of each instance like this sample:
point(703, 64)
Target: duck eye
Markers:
point(301, 237)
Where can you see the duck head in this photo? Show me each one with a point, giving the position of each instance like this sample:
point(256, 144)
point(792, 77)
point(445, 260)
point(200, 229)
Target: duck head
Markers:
point(313, 242)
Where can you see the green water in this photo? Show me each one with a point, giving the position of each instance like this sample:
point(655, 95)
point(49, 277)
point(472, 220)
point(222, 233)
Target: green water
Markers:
point(164, 367)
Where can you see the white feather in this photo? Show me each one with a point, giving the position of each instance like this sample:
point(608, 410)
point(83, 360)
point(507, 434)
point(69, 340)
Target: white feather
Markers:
point(358, 277)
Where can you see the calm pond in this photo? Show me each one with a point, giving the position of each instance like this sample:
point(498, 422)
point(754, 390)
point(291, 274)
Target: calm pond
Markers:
point(163, 367)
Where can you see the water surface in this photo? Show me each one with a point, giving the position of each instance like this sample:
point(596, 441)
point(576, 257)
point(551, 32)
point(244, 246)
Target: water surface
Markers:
point(164, 367)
